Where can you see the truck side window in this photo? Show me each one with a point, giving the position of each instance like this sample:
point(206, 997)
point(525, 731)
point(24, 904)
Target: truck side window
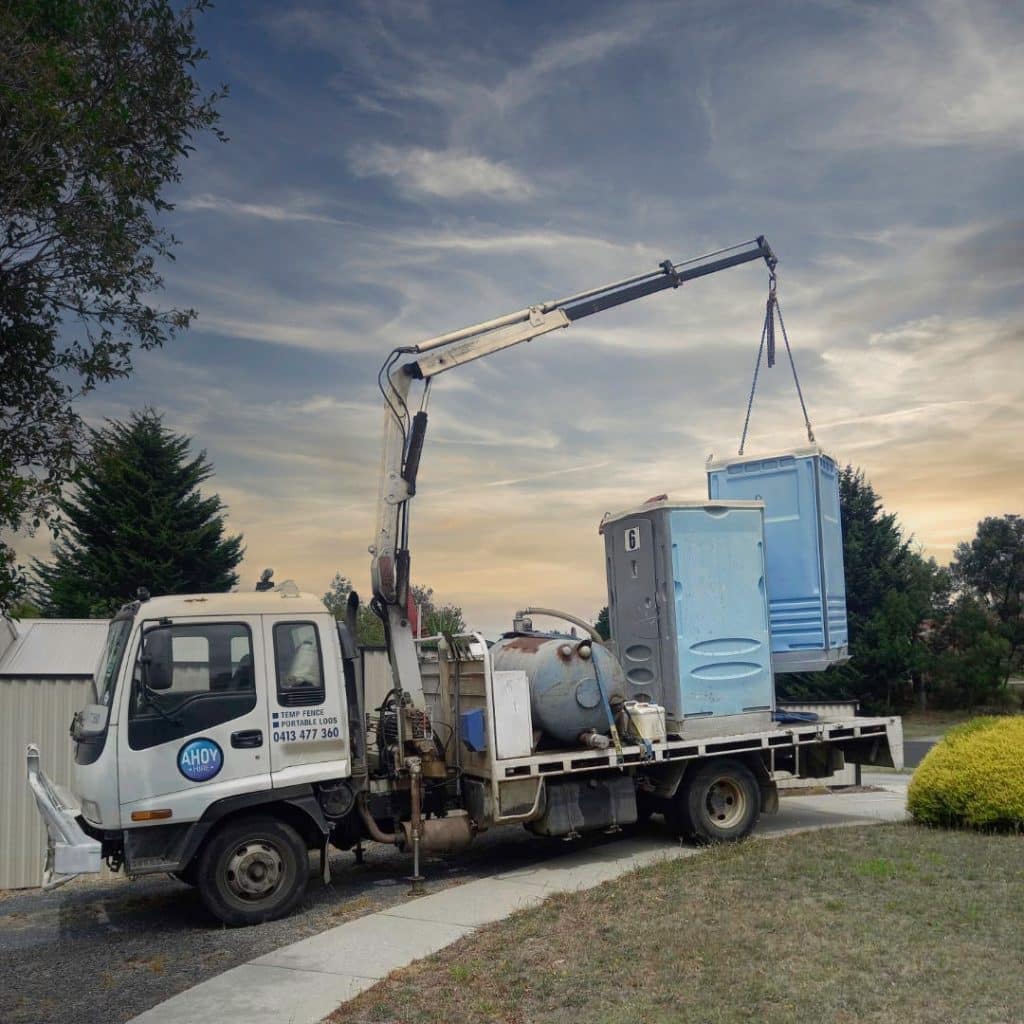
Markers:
point(199, 676)
point(299, 663)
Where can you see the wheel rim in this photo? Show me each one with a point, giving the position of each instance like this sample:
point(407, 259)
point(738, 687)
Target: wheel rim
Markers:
point(254, 870)
point(726, 803)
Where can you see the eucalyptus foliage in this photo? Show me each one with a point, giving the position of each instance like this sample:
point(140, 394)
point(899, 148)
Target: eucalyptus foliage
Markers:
point(99, 107)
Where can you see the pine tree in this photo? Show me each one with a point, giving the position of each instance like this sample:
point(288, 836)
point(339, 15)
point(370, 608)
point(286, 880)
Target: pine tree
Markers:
point(137, 519)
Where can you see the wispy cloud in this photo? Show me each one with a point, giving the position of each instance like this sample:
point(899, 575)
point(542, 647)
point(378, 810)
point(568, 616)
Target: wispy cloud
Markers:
point(442, 174)
point(512, 241)
point(263, 211)
point(933, 74)
point(435, 165)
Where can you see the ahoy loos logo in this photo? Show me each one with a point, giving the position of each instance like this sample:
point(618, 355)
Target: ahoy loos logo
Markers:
point(200, 760)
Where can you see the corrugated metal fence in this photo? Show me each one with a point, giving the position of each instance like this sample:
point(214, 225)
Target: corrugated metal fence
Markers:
point(32, 710)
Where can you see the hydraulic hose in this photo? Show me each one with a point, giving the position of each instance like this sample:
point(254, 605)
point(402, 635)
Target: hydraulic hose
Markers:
point(567, 617)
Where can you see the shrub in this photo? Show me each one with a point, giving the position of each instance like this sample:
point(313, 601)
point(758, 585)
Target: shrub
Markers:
point(973, 777)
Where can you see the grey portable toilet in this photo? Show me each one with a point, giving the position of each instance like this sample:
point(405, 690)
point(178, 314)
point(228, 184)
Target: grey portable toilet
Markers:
point(803, 549)
point(688, 610)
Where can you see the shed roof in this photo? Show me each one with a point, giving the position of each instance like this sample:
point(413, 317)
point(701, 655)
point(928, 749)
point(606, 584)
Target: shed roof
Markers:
point(8, 634)
point(54, 647)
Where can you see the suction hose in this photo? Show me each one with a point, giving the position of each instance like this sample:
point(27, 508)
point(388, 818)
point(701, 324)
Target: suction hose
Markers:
point(567, 617)
point(394, 838)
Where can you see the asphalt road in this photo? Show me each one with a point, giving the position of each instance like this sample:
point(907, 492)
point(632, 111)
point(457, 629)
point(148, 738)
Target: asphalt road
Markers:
point(914, 751)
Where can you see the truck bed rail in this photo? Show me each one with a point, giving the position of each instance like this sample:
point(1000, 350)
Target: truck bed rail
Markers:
point(854, 732)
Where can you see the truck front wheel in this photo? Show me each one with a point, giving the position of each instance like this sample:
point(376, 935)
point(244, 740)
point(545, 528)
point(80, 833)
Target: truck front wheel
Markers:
point(719, 802)
point(253, 870)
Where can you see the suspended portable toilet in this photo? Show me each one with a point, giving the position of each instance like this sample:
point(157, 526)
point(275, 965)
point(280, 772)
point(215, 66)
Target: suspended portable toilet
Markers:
point(803, 550)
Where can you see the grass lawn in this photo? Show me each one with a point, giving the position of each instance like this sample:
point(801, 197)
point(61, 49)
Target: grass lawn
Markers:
point(933, 723)
point(893, 923)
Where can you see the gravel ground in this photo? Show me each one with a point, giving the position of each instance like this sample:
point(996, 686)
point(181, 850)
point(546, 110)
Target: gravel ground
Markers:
point(102, 951)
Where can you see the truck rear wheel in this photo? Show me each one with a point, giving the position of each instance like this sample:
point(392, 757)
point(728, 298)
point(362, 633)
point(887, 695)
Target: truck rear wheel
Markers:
point(719, 803)
point(253, 870)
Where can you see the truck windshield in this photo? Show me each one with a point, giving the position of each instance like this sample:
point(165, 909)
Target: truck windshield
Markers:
point(110, 660)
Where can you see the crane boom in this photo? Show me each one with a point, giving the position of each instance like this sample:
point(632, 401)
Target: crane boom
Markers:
point(404, 433)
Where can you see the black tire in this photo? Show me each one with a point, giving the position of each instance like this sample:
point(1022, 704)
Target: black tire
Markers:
point(253, 870)
point(719, 803)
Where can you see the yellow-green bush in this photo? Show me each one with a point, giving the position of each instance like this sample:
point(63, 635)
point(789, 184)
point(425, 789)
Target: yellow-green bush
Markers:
point(974, 776)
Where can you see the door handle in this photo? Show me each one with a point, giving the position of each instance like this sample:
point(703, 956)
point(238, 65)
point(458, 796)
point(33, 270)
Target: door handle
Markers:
point(247, 738)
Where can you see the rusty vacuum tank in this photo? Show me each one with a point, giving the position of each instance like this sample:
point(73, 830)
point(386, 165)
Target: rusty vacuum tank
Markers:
point(564, 674)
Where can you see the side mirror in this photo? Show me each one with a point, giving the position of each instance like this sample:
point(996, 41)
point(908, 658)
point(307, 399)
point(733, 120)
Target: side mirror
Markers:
point(156, 660)
point(90, 722)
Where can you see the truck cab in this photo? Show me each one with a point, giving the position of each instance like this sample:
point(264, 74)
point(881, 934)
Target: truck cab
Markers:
point(206, 709)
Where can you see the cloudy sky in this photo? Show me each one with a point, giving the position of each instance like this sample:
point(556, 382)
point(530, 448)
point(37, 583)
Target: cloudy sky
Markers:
point(397, 169)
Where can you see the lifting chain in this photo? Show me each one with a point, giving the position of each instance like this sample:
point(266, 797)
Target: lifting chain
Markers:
point(773, 309)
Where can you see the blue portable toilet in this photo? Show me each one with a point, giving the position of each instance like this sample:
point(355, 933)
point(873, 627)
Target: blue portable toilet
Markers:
point(803, 551)
point(688, 610)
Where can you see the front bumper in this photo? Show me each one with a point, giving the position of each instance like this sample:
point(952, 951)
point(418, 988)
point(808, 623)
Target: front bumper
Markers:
point(70, 851)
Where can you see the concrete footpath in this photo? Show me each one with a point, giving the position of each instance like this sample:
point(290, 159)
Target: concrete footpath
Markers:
point(303, 982)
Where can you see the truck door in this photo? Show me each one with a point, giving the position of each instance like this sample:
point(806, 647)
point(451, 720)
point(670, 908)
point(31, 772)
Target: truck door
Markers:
point(195, 725)
point(308, 723)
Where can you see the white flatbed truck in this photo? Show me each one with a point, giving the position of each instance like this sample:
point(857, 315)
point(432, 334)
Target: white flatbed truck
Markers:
point(228, 734)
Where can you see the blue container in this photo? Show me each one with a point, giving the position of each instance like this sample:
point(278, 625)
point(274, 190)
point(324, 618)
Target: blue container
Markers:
point(803, 551)
point(474, 729)
point(688, 610)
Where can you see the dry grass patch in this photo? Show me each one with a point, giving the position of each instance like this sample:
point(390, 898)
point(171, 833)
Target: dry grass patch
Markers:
point(889, 924)
point(918, 724)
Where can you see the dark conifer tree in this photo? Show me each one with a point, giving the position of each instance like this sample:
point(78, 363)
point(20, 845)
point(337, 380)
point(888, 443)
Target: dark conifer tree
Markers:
point(991, 568)
point(891, 590)
point(137, 519)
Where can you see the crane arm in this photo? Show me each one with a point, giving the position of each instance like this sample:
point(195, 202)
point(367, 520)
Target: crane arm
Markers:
point(404, 432)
